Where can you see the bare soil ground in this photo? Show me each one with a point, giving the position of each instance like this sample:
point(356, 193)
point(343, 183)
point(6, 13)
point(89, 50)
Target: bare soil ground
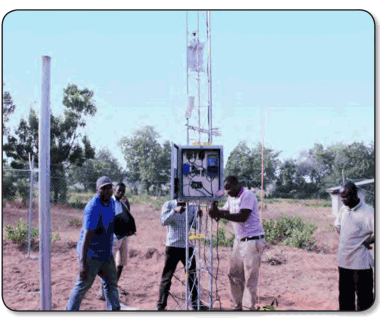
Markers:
point(299, 279)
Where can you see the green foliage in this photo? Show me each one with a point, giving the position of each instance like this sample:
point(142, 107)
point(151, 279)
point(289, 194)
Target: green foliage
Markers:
point(104, 164)
point(66, 148)
point(81, 197)
point(23, 142)
point(157, 203)
point(16, 185)
point(79, 201)
point(321, 167)
point(319, 204)
point(19, 233)
point(140, 199)
point(291, 231)
point(75, 223)
point(8, 108)
point(356, 160)
point(221, 238)
point(55, 237)
point(9, 193)
point(22, 188)
point(270, 201)
point(301, 238)
point(245, 164)
point(324, 166)
point(153, 201)
point(147, 161)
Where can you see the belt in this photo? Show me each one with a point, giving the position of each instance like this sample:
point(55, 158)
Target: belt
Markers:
point(252, 238)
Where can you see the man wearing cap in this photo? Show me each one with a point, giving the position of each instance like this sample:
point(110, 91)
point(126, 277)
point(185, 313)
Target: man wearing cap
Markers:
point(355, 225)
point(120, 246)
point(242, 209)
point(95, 248)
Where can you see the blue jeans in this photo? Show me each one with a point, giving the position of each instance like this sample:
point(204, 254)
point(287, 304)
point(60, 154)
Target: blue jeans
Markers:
point(107, 271)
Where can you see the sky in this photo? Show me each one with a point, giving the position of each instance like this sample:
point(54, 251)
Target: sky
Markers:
point(306, 77)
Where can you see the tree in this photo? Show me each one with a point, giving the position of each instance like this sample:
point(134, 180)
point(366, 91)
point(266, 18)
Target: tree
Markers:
point(316, 164)
point(147, 161)
point(288, 170)
point(8, 108)
point(292, 184)
point(104, 164)
point(245, 164)
point(164, 162)
point(356, 161)
point(67, 145)
point(323, 167)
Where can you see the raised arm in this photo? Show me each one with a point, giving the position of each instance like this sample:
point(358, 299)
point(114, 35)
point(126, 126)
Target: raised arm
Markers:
point(242, 216)
point(168, 213)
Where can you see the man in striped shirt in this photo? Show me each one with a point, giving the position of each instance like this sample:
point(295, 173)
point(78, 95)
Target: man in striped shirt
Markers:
point(173, 216)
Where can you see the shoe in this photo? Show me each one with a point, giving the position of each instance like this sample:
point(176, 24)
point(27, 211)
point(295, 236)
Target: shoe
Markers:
point(161, 309)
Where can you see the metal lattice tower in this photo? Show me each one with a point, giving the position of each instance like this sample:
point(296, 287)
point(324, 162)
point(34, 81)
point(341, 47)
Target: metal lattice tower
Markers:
point(199, 130)
point(199, 79)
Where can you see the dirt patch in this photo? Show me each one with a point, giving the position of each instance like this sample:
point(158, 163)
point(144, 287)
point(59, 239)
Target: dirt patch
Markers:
point(298, 279)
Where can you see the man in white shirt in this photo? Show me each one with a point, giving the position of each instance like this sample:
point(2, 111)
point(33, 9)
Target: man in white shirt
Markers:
point(355, 224)
point(173, 217)
point(242, 209)
point(119, 246)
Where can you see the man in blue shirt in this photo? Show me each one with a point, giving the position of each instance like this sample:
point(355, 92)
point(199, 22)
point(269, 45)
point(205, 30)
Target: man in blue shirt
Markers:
point(95, 248)
point(120, 246)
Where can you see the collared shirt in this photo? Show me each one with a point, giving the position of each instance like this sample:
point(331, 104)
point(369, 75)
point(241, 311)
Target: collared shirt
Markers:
point(175, 224)
point(118, 206)
point(356, 225)
point(252, 226)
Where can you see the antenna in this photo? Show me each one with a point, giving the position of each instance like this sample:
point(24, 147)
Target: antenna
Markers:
point(199, 79)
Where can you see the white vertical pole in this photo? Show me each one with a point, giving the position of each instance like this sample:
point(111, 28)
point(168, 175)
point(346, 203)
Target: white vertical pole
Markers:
point(187, 76)
point(44, 187)
point(262, 202)
point(209, 77)
point(211, 261)
point(187, 255)
point(31, 167)
point(198, 242)
point(198, 81)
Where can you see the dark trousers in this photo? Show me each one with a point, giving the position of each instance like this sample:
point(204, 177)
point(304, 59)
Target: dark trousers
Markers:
point(359, 282)
point(172, 256)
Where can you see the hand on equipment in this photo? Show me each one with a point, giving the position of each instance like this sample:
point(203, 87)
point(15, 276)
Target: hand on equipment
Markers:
point(180, 209)
point(220, 193)
point(214, 211)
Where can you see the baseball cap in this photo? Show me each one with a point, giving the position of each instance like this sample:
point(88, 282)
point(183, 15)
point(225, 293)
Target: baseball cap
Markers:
point(103, 181)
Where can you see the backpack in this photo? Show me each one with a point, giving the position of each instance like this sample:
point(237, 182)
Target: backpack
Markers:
point(125, 225)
